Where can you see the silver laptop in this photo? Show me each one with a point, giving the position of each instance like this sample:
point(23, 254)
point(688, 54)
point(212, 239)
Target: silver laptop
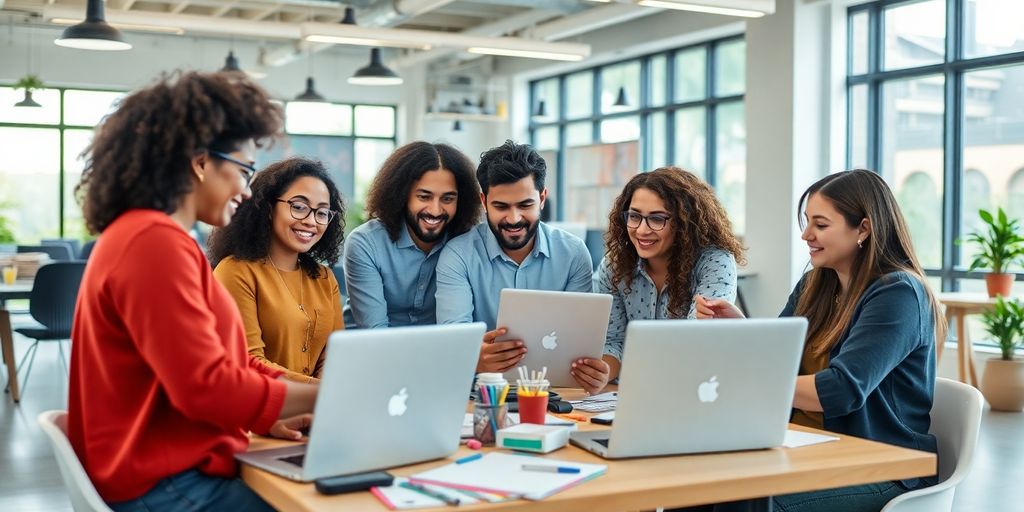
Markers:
point(556, 328)
point(694, 386)
point(388, 397)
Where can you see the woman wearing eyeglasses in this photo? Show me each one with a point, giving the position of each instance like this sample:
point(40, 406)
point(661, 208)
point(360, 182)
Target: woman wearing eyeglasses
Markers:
point(162, 392)
point(274, 260)
point(668, 239)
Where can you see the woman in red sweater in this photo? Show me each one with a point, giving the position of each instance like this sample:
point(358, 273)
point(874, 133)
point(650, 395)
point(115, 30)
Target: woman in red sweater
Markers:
point(162, 390)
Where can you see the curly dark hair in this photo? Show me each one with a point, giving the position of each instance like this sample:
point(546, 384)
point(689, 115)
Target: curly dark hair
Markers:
point(389, 193)
point(248, 235)
point(698, 221)
point(509, 163)
point(140, 155)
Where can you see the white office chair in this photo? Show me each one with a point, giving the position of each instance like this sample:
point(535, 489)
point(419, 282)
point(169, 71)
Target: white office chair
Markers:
point(956, 420)
point(80, 489)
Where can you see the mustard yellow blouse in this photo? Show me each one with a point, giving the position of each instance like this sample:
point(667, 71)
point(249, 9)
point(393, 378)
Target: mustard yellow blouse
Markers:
point(280, 333)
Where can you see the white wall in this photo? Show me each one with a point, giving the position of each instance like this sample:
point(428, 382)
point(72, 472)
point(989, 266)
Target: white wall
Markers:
point(153, 54)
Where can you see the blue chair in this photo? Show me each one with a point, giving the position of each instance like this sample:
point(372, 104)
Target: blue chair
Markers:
point(60, 252)
point(87, 250)
point(73, 243)
point(52, 305)
point(595, 244)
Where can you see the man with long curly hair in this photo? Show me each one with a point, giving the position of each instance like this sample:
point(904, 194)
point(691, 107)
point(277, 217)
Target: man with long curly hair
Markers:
point(513, 249)
point(423, 195)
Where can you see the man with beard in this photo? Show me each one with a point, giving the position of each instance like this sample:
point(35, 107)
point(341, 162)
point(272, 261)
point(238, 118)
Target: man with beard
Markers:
point(513, 249)
point(423, 195)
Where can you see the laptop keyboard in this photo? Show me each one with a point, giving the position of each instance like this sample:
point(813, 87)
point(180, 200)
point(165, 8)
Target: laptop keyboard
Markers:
point(298, 459)
point(602, 442)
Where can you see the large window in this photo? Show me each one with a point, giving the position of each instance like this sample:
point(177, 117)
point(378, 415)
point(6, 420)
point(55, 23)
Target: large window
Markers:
point(934, 101)
point(682, 107)
point(42, 147)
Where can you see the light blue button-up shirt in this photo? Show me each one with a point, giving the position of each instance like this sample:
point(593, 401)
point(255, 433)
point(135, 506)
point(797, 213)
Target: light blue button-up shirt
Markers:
point(473, 269)
point(390, 283)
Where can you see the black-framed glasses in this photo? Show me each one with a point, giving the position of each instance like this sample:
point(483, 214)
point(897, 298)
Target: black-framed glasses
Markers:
point(656, 222)
point(301, 210)
point(248, 170)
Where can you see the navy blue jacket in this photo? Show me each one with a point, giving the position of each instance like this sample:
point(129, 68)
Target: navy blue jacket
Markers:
point(880, 378)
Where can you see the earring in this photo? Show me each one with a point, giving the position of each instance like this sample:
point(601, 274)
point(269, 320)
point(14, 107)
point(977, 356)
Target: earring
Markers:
point(860, 244)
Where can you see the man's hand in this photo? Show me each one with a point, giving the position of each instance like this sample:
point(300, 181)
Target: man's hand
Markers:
point(499, 356)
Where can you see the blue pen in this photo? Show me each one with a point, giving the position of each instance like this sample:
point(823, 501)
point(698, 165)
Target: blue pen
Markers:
point(550, 469)
point(469, 458)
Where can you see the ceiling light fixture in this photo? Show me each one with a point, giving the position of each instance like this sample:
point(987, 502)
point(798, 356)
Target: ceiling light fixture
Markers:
point(94, 33)
point(138, 27)
point(457, 126)
point(310, 95)
point(530, 54)
point(621, 100)
point(742, 8)
point(375, 73)
point(338, 33)
point(231, 63)
point(542, 109)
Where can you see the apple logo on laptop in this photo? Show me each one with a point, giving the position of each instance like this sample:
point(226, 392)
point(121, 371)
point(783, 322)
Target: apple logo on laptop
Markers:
point(708, 391)
point(550, 341)
point(396, 406)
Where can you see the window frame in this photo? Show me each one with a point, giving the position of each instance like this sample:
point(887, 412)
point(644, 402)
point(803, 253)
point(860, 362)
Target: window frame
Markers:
point(953, 69)
point(61, 126)
point(644, 111)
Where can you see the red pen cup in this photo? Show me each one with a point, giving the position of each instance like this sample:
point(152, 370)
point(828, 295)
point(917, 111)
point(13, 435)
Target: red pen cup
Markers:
point(533, 408)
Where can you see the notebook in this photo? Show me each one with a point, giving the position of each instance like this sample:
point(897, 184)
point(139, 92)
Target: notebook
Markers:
point(503, 473)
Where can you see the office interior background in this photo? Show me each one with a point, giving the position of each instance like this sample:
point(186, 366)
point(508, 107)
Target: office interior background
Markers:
point(929, 93)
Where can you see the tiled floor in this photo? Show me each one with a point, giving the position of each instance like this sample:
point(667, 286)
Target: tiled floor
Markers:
point(30, 481)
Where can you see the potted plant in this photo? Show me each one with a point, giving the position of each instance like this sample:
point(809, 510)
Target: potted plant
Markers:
point(1000, 245)
point(28, 83)
point(1003, 380)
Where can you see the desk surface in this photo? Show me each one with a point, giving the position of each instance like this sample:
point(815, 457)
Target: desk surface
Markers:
point(18, 290)
point(648, 483)
point(965, 299)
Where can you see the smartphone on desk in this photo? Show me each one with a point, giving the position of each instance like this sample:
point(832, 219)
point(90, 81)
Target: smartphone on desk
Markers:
point(352, 483)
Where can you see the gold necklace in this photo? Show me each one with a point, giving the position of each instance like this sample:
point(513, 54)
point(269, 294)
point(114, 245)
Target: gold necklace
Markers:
point(305, 342)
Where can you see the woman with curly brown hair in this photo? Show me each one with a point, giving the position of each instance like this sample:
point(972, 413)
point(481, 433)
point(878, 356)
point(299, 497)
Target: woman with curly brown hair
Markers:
point(271, 260)
point(162, 390)
point(668, 240)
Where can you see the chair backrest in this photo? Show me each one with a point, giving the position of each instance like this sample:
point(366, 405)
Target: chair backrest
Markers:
point(61, 252)
point(54, 293)
point(595, 244)
point(956, 421)
point(73, 243)
point(87, 250)
point(80, 489)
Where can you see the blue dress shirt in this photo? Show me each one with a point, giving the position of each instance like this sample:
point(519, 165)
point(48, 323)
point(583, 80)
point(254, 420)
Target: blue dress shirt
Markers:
point(473, 269)
point(390, 283)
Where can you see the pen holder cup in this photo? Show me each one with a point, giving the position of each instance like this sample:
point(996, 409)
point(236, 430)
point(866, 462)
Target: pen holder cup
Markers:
point(533, 408)
point(487, 420)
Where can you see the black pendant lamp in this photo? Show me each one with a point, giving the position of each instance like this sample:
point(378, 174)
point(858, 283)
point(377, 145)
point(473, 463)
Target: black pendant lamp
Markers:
point(457, 127)
point(310, 93)
point(231, 63)
point(621, 100)
point(94, 33)
point(542, 109)
point(375, 73)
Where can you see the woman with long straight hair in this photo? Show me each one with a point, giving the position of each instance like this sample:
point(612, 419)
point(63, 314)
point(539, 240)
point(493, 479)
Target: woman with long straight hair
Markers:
point(868, 367)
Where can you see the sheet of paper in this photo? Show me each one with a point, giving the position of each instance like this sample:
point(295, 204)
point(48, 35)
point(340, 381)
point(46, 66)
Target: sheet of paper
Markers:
point(396, 497)
point(796, 439)
point(504, 473)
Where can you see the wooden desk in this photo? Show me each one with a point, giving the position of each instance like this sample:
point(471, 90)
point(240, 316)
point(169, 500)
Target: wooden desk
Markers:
point(649, 483)
point(18, 290)
point(958, 306)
